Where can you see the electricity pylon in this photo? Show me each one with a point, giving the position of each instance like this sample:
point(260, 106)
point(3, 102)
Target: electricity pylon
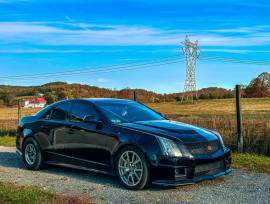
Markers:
point(191, 51)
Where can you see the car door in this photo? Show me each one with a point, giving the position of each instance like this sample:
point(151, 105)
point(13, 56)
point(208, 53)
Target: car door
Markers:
point(87, 141)
point(55, 125)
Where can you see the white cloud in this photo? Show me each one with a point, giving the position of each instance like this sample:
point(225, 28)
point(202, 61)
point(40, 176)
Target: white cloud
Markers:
point(12, 1)
point(59, 51)
point(39, 51)
point(103, 80)
point(71, 33)
point(241, 30)
point(239, 51)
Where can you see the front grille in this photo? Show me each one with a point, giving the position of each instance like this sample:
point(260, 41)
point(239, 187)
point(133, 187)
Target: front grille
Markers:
point(209, 169)
point(203, 147)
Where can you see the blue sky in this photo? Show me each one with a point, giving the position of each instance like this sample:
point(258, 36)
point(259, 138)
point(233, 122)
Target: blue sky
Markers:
point(47, 36)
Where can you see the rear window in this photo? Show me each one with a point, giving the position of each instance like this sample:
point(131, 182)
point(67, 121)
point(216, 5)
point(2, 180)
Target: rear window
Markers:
point(56, 111)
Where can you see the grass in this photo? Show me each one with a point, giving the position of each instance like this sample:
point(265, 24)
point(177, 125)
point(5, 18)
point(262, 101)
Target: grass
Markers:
point(8, 141)
point(214, 107)
point(9, 119)
point(13, 194)
point(12, 113)
point(252, 162)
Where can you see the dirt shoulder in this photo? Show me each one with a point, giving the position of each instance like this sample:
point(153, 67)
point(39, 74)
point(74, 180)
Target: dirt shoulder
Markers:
point(239, 187)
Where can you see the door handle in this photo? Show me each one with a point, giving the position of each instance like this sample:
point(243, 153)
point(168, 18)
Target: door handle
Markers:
point(70, 131)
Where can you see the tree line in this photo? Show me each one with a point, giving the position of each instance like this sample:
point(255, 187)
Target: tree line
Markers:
point(55, 91)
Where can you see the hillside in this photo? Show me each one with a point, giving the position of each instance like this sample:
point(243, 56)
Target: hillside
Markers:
point(60, 90)
point(257, 88)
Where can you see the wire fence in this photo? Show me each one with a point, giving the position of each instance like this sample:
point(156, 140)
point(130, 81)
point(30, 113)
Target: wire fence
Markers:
point(9, 117)
point(256, 125)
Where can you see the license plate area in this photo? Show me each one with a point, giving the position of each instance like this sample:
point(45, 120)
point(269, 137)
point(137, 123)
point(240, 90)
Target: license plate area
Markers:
point(209, 168)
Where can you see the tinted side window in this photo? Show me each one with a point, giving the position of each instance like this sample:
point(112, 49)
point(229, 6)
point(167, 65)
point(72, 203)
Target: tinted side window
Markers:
point(81, 109)
point(60, 112)
point(47, 115)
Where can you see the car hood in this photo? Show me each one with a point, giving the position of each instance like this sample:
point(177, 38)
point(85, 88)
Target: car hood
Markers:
point(186, 133)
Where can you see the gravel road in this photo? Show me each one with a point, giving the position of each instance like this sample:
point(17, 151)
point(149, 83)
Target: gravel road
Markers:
point(239, 187)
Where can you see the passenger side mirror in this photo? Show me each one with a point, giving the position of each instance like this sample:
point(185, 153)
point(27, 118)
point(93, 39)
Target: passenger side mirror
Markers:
point(93, 120)
point(90, 119)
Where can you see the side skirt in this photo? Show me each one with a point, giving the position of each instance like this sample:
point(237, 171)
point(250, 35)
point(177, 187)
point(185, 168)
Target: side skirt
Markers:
point(77, 163)
point(55, 163)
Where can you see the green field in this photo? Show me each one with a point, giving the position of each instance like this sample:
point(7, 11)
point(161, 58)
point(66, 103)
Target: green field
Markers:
point(13, 194)
point(8, 141)
point(251, 162)
point(215, 107)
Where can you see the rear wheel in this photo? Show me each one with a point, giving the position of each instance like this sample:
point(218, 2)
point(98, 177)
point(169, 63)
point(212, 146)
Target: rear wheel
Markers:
point(133, 168)
point(32, 155)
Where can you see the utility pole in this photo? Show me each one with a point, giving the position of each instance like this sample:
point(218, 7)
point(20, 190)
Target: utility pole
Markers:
point(191, 51)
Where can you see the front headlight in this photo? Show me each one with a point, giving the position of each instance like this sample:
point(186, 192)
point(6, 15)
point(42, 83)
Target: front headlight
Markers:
point(220, 140)
point(169, 147)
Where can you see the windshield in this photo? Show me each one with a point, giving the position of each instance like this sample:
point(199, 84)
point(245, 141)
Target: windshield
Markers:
point(128, 112)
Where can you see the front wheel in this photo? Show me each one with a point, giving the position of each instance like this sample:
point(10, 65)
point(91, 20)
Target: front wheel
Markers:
point(133, 168)
point(32, 156)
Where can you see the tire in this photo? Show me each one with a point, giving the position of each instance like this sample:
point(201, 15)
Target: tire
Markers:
point(138, 168)
point(32, 155)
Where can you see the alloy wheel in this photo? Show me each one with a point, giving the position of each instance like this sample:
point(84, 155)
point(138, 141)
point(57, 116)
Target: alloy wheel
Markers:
point(30, 154)
point(130, 168)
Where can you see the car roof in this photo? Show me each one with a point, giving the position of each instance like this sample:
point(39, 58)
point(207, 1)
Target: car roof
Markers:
point(108, 100)
point(101, 100)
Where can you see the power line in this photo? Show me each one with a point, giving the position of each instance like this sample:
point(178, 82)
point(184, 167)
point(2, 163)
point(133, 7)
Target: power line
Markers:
point(114, 68)
point(86, 70)
point(133, 66)
point(236, 60)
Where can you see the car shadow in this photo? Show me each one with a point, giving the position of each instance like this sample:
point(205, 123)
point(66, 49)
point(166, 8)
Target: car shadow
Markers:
point(12, 160)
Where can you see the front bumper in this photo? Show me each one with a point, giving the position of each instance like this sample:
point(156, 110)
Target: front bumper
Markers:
point(190, 181)
point(189, 171)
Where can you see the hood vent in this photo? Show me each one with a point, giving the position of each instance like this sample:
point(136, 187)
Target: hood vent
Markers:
point(178, 131)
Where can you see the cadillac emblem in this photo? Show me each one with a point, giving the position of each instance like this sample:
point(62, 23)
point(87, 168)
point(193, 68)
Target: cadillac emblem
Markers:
point(209, 148)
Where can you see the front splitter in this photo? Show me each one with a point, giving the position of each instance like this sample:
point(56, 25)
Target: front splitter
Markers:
point(191, 181)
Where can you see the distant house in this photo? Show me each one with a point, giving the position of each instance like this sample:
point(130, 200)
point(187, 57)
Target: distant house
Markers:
point(34, 103)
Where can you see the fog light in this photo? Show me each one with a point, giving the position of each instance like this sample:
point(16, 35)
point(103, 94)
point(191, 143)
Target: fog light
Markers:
point(227, 163)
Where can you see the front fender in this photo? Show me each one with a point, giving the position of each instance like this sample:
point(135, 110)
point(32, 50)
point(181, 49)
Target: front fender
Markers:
point(41, 138)
point(22, 134)
point(147, 143)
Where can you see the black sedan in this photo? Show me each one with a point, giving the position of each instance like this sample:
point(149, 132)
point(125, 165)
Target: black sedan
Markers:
point(123, 138)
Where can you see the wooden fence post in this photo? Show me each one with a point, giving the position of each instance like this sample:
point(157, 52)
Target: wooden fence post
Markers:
point(19, 110)
point(134, 96)
point(239, 119)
